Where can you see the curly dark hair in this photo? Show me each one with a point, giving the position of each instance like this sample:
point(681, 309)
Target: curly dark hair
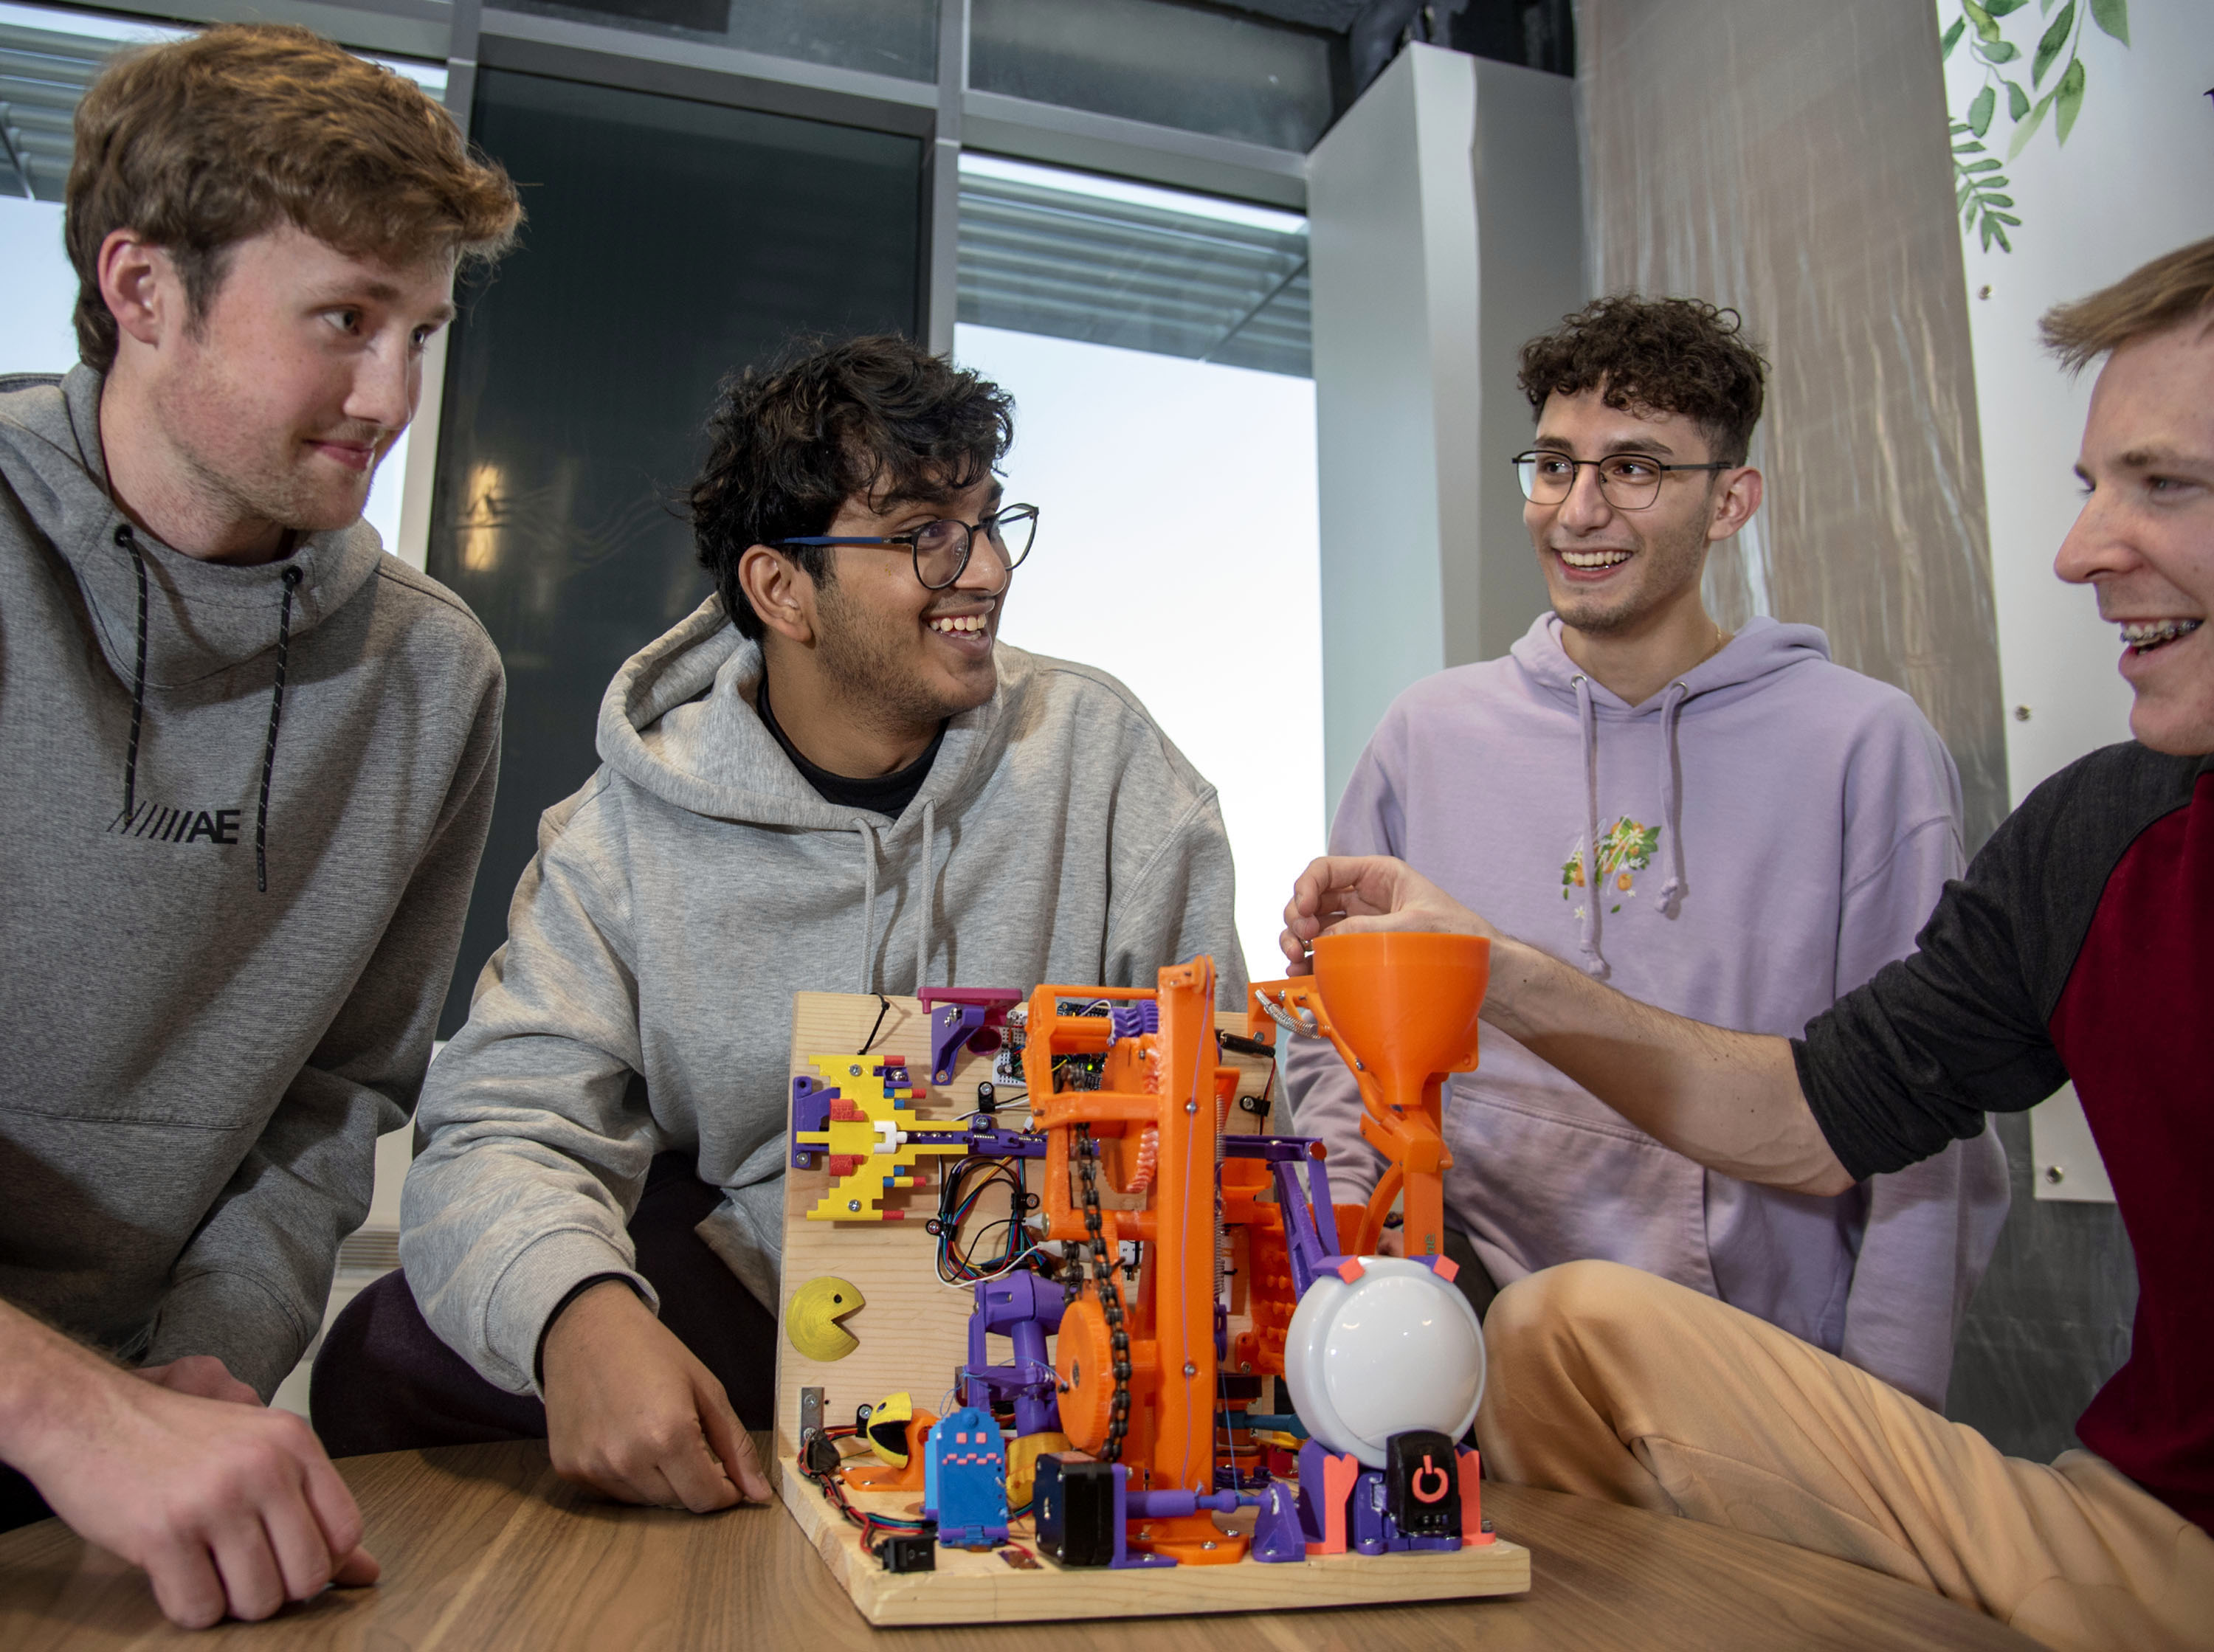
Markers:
point(1655, 356)
point(878, 418)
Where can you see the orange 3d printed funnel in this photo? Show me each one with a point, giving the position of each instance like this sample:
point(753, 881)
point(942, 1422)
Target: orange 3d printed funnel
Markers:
point(1402, 1009)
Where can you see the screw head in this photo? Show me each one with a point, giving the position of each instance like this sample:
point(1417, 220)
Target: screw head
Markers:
point(2055, 1175)
point(1190, 1369)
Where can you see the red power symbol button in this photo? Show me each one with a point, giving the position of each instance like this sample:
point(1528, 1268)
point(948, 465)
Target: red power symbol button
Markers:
point(1436, 1474)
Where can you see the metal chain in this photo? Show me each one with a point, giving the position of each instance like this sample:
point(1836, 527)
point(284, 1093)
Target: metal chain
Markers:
point(1110, 1295)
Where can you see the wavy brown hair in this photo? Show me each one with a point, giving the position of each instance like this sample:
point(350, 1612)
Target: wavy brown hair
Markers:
point(2163, 294)
point(206, 142)
point(877, 419)
point(1655, 356)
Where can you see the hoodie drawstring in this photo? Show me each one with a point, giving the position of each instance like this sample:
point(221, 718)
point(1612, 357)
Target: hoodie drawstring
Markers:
point(1672, 797)
point(924, 933)
point(276, 717)
point(868, 904)
point(129, 541)
point(929, 894)
point(1588, 716)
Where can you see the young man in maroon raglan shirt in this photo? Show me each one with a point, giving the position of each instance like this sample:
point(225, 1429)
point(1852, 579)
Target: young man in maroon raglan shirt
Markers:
point(2079, 947)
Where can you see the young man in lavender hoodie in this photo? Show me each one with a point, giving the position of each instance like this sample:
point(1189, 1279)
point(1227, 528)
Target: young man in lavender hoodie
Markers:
point(1771, 829)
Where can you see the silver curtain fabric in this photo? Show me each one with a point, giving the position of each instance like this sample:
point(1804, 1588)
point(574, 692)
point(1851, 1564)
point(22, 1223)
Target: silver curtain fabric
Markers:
point(1790, 157)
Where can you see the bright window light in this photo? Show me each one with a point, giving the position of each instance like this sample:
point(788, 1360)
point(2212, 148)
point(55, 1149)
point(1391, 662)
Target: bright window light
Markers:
point(1115, 189)
point(1178, 550)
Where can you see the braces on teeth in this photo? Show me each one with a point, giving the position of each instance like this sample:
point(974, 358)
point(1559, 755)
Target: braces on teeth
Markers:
point(2145, 635)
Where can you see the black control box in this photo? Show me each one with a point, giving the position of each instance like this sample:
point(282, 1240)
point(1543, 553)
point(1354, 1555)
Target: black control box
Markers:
point(1075, 1504)
point(1422, 1484)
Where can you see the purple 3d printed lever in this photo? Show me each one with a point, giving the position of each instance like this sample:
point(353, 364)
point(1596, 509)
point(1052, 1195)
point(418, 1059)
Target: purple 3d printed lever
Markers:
point(963, 1018)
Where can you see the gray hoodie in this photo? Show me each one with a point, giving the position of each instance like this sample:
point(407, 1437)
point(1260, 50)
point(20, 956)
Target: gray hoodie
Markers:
point(1773, 829)
point(194, 1068)
point(643, 1001)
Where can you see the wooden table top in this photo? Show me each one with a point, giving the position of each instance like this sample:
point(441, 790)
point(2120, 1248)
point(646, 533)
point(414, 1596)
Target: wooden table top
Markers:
point(484, 1547)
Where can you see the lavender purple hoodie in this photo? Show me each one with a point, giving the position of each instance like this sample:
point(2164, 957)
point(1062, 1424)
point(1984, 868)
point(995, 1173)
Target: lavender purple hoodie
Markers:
point(1772, 828)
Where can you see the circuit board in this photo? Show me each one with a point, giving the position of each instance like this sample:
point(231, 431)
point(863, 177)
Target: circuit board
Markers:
point(910, 1334)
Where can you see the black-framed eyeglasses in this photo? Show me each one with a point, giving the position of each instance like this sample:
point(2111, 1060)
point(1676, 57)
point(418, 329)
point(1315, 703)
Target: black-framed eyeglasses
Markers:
point(1628, 481)
point(941, 547)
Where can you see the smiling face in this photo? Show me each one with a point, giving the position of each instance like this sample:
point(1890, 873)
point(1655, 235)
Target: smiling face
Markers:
point(277, 403)
point(1609, 570)
point(2145, 539)
point(916, 657)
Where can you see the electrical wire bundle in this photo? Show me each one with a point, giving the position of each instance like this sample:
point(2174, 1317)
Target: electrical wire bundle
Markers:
point(819, 1459)
point(968, 1262)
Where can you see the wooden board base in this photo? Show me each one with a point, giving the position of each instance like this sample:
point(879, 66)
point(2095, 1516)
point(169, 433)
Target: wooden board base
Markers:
point(978, 1587)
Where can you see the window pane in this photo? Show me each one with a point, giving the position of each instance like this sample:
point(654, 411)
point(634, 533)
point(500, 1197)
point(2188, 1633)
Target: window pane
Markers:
point(1203, 70)
point(885, 37)
point(670, 243)
point(1072, 256)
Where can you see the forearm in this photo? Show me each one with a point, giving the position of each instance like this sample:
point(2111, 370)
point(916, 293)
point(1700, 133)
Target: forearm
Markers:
point(43, 1374)
point(1727, 1100)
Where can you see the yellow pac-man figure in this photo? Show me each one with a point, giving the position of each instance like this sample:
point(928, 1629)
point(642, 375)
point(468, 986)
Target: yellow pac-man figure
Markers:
point(812, 1321)
point(887, 1429)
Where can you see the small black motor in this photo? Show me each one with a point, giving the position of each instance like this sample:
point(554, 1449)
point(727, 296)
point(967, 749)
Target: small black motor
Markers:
point(1422, 1484)
point(1075, 1496)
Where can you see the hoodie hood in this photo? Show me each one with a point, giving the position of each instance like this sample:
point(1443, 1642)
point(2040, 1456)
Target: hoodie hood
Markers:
point(202, 617)
point(681, 720)
point(1761, 649)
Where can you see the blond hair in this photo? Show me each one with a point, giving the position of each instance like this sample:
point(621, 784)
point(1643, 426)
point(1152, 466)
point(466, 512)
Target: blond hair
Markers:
point(2165, 293)
point(206, 142)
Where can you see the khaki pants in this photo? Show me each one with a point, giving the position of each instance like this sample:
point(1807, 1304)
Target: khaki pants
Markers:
point(1611, 1383)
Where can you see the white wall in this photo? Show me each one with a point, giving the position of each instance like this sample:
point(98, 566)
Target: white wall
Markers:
point(1444, 214)
point(1177, 549)
point(1391, 220)
point(2131, 183)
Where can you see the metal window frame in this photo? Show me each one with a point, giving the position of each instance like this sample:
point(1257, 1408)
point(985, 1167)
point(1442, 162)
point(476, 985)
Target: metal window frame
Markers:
point(947, 114)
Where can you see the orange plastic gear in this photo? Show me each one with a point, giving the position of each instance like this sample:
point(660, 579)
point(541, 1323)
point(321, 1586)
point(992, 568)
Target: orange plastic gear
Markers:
point(1083, 1355)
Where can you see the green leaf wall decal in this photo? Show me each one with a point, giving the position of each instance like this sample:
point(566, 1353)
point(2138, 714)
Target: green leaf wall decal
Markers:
point(2017, 101)
point(1979, 112)
point(2050, 42)
point(2113, 16)
point(2068, 99)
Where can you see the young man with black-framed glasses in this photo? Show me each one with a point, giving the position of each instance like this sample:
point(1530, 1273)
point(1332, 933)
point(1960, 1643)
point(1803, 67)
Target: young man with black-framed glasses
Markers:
point(1732, 827)
point(831, 778)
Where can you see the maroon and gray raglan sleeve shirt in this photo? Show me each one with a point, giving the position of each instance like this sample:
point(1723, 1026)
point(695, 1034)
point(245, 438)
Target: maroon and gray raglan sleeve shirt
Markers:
point(2079, 947)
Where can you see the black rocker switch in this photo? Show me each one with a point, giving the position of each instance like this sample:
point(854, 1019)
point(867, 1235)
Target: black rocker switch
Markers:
point(1422, 1484)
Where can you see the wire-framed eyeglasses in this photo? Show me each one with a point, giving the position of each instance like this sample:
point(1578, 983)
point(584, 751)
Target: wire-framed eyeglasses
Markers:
point(1628, 481)
point(941, 547)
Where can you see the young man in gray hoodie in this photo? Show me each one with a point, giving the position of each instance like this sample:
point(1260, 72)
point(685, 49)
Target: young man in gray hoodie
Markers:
point(252, 760)
point(1771, 830)
point(832, 777)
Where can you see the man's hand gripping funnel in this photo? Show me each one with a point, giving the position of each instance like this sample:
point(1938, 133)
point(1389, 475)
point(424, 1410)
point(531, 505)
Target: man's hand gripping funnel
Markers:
point(1402, 1009)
